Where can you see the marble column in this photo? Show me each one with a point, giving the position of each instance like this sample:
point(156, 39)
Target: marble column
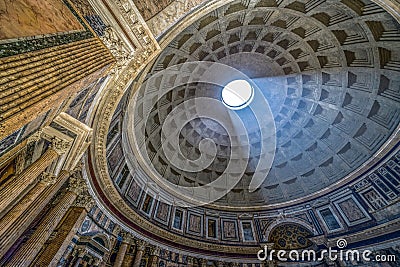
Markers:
point(45, 180)
point(129, 256)
point(79, 253)
point(190, 261)
point(14, 188)
point(16, 222)
point(203, 262)
point(122, 250)
point(27, 253)
point(154, 256)
point(140, 247)
point(65, 232)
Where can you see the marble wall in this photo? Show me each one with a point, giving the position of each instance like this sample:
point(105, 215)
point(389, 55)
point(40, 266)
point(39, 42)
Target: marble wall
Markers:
point(170, 14)
point(148, 9)
point(23, 18)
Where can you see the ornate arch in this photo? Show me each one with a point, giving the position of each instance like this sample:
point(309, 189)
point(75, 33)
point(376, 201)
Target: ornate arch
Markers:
point(278, 222)
point(290, 235)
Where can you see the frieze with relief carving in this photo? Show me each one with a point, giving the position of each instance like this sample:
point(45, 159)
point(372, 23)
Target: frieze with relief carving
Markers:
point(77, 184)
point(171, 14)
point(59, 145)
point(84, 200)
point(116, 47)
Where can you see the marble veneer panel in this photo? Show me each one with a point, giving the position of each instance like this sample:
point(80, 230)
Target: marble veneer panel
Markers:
point(24, 18)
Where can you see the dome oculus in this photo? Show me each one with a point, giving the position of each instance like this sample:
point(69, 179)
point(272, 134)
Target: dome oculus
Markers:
point(237, 94)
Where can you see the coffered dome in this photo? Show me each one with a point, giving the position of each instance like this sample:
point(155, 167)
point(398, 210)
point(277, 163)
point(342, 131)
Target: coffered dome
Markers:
point(328, 71)
point(324, 114)
point(199, 132)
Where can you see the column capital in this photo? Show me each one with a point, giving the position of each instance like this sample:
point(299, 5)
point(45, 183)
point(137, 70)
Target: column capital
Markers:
point(77, 184)
point(141, 244)
point(35, 136)
point(127, 237)
point(203, 262)
point(47, 178)
point(78, 168)
point(59, 145)
point(155, 251)
point(84, 200)
point(116, 46)
point(80, 252)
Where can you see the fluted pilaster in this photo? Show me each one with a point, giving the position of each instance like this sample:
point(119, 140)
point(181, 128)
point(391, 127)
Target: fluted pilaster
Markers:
point(27, 253)
point(8, 221)
point(20, 223)
point(154, 256)
point(129, 257)
point(140, 247)
point(65, 232)
point(13, 190)
point(122, 250)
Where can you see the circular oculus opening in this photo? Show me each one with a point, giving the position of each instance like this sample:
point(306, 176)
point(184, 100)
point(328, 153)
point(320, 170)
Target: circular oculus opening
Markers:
point(237, 94)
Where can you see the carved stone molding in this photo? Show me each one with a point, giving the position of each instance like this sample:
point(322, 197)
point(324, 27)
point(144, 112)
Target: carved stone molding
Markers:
point(129, 39)
point(84, 200)
point(48, 178)
point(77, 185)
point(141, 245)
point(117, 48)
point(78, 168)
point(171, 14)
point(35, 136)
point(60, 146)
point(79, 132)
